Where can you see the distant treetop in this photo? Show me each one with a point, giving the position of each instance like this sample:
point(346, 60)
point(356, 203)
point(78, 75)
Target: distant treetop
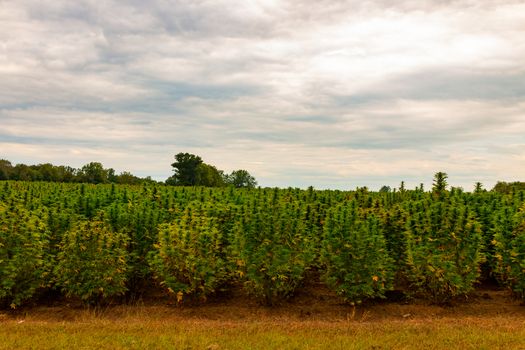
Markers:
point(190, 170)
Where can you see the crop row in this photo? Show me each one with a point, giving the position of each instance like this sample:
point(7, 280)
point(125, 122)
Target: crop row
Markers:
point(98, 242)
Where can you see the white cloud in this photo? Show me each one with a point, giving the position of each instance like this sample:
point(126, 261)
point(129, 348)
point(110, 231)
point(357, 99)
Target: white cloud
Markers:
point(328, 93)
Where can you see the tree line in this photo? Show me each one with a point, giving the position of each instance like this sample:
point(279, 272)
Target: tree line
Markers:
point(189, 170)
point(93, 172)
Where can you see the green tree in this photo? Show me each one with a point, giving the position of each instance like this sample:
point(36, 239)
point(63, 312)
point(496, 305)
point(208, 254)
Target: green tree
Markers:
point(112, 176)
point(126, 177)
point(47, 172)
point(6, 169)
point(241, 178)
point(208, 175)
point(94, 172)
point(23, 172)
point(509, 187)
point(185, 168)
point(66, 173)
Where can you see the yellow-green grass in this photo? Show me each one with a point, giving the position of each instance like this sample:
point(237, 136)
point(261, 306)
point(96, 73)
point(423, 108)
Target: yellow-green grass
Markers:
point(146, 331)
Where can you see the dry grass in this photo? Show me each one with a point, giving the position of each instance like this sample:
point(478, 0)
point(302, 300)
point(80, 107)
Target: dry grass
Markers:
point(145, 333)
point(314, 321)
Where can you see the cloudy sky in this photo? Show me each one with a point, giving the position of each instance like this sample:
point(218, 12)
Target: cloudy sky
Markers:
point(334, 94)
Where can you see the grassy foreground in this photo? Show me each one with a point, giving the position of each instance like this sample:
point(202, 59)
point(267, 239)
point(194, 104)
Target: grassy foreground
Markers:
point(152, 332)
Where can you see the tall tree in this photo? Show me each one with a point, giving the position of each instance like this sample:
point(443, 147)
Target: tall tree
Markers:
point(185, 168)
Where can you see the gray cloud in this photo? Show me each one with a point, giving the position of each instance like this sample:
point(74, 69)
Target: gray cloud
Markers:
point(328, 93)
point(447, 84)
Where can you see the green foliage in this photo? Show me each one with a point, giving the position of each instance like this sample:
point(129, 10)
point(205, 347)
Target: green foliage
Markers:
point(509, 254)
point(92, 262)
point(444, 251)
point(478, 187)
point(22, 245)
point(23, 172)
point(393, 226)
point(273, 252)
point(268, 238)
point(126, 177)
point(354, 255)
point(439, 186)
point(6, 169)
point(385, 189)
point(509, 187)
point(190, 255)
point(208, 176)
point(190, 170)
point(185, 168)
point(94, 172)
point(241, 178)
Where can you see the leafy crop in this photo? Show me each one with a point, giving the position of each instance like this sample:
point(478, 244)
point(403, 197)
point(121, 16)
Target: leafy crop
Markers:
point(22, 244)
point(96, 242)
point(354, 255)
point(92, 261)
point(273, 252)
point(510, 254)
point(444, 251)
point(189, 256)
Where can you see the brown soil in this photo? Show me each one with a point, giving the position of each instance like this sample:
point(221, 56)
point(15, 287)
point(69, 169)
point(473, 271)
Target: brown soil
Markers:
point(314, 303)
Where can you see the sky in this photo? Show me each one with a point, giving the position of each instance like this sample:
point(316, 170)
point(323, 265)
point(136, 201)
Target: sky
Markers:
point(330, 94)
